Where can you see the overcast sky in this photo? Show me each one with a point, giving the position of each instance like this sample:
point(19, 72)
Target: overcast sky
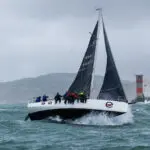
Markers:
point(49, 36)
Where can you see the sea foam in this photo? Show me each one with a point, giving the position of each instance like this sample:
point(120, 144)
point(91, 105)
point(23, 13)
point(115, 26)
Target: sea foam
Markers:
point(100, 119)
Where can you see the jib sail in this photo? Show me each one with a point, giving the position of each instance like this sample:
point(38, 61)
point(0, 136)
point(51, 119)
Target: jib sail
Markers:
point(83, 78)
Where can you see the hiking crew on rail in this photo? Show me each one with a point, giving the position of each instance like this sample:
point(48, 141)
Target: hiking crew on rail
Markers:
point(71, 97)
point(68, 97)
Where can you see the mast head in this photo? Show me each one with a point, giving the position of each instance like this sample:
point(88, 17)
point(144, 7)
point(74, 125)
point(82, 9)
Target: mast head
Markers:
point(99, 10)
point(100, 14)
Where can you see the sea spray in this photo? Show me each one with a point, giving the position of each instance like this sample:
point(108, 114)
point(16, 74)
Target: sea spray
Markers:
point(103, 119)
point(99, 119)
point(55, 119)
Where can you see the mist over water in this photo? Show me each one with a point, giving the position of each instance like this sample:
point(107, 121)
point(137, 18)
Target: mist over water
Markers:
point(126, 132)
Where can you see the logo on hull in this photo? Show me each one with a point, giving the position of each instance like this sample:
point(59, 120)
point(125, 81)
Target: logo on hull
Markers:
point(109, 104)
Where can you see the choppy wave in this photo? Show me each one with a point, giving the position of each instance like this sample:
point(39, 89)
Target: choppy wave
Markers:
point(102, 119)
point(126, 132)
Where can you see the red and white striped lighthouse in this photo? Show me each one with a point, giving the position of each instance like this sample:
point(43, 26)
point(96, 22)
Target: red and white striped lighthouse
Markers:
point(139, 85)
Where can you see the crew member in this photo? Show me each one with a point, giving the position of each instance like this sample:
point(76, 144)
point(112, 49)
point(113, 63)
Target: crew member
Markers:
point(57, 98)
point(38, 99)
point(82, 97)
point(65, 97)
point(69, 97)
point(44, 98)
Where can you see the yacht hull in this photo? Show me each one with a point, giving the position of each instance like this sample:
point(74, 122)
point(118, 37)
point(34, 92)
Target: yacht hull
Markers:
point(43, 110)
point(72, 114)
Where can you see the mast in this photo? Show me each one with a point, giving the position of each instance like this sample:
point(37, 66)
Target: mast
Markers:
point(99, 10)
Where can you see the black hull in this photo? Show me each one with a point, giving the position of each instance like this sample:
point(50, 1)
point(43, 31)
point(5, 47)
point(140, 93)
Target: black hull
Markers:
point(66, 114)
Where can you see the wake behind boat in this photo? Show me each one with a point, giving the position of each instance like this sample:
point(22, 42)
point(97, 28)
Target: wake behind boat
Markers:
point(111, 99)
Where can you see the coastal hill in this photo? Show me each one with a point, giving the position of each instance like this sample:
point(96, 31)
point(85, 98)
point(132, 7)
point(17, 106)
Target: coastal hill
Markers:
point(20, 91)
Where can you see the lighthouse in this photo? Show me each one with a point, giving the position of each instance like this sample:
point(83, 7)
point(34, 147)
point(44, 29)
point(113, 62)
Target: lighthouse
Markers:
point(139, 87)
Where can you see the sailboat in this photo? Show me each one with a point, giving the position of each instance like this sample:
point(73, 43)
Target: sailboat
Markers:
point(111, 99)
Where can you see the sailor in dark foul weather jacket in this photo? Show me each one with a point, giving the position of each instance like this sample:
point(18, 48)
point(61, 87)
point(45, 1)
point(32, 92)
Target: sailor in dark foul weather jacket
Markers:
point(38, 99)
point(65, 97)
point(57, 98)
point(44, 98)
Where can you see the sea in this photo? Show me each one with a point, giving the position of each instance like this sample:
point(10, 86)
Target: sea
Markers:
point(130, 131)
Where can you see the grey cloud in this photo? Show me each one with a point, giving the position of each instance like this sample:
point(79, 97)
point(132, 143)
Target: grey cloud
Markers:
point(44, 36)
point(115, 10)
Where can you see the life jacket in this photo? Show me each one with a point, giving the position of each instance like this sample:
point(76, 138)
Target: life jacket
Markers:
point(73, 95)
point(81, 93)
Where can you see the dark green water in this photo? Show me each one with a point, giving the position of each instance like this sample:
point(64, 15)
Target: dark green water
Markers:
point(128, 132)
